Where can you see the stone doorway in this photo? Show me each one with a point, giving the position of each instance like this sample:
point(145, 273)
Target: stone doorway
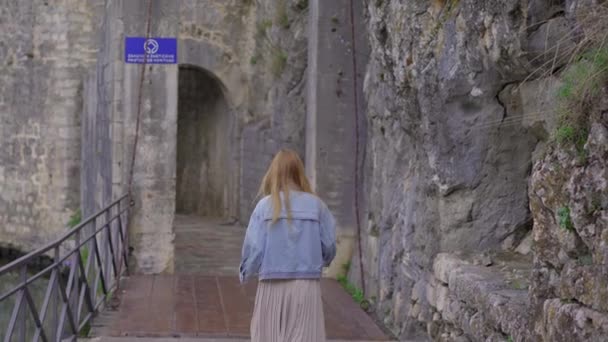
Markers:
point(203, 145)
point(204, 179)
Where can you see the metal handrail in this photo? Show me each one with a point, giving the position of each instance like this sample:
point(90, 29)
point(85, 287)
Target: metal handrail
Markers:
point(78, 284)
point(42, 250)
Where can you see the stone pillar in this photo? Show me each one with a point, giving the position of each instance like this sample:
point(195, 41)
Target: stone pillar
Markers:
point(154, 177)
point(337, 58)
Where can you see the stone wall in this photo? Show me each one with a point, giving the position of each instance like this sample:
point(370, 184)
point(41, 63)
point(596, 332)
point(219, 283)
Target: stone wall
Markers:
point(462, 101)
point(45, 54)
point(101, 151)
point(335, 120)
point(276, 114)
point(258, 68)
point(257, 149)
point(68, 57)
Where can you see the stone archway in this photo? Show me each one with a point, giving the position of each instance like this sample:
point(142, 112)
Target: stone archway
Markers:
point(205, 174)
point(203, 145)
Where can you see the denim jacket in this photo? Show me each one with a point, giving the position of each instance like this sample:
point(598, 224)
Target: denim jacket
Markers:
point(289, 250)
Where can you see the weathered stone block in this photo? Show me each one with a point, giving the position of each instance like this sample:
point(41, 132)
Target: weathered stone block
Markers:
point(444, 264)
point(564, 322)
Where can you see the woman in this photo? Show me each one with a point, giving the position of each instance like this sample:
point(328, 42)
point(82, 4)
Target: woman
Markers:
point(290, 238)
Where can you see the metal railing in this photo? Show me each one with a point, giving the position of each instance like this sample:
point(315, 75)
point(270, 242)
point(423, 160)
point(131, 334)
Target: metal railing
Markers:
point(58, 302)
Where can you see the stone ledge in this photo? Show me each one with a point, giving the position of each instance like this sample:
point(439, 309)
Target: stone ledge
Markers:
point(483, 302)
point(588, 284)
point(573, 322)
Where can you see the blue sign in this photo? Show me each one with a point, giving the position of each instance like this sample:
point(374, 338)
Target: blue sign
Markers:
point(140, 50)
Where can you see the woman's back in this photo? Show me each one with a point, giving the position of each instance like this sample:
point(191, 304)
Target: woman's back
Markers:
point(290, 237)
point(294, 246)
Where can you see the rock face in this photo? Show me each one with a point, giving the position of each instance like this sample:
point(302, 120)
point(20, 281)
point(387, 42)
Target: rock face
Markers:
point(568, 198)
point(461, 103)
point(276, 114)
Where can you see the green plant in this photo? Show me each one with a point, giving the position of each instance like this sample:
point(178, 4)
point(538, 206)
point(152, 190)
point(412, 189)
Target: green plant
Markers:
point(518, 284)
point(446, 13)
point(564, 219)
point(279, 62)
point(509, 339)
point(374, 231)
point(585, 260)
point(84, 332)
point(301, 5)
point(350, 288)
point(584, 78)
point(263, 26)
point(565, 133)
point(75, 219)
point(281, 16)
point(356, 293)
point(581, 84)
point(596, 204)
point(580, 142)
point(570, 133)
point(253, 60)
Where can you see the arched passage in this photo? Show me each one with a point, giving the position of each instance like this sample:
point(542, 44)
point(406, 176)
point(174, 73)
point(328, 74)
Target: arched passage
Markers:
point(203, 145)
point(205, 240)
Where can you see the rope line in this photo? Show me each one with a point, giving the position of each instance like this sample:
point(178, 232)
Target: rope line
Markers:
point(139, 103)
point(356, 97)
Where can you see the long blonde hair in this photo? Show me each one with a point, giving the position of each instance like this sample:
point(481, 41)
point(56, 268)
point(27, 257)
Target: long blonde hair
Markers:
point(285, 170)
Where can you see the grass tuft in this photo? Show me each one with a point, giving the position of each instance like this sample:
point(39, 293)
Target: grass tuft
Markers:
point(281, 16)
point(564, 218)
point(279, 62)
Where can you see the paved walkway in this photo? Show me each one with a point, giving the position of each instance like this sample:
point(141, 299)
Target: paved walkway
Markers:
point(160, 339)
point(204, 299)
point(212, 307)
point(207, 245)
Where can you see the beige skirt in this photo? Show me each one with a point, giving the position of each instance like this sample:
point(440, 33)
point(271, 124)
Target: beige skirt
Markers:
point(288, 311)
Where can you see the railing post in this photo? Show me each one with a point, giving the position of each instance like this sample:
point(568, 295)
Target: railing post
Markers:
point(76, 291)
point(119, 246)
point(23, 312)
point(108, 251)
point(131, 205)
point(54, 319)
